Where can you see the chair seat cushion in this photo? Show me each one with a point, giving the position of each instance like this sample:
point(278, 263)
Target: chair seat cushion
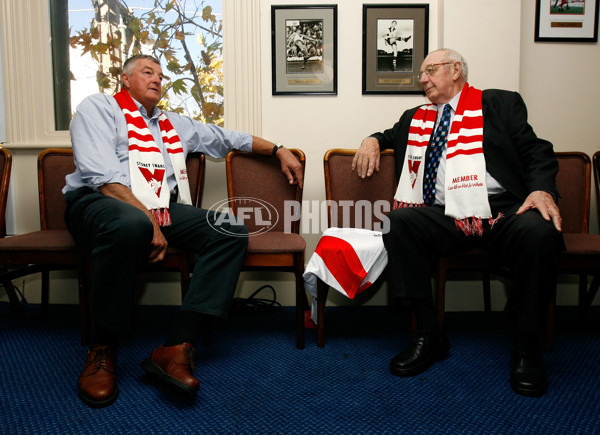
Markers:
point(582, 244)
point(276, 242)
point(42, 240)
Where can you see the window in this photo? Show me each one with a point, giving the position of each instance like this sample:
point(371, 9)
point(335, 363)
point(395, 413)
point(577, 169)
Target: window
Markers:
point(92, 38)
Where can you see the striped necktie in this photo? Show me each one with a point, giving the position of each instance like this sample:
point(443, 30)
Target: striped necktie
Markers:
point(433, 156)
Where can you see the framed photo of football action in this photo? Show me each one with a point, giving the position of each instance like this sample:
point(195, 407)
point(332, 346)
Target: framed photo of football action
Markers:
point(395, 43)
point(566, 20)
point(304, 49)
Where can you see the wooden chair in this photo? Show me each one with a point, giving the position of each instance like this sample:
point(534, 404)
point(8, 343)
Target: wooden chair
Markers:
point(51, 247)
point(342, 184)
point(258, 181)
point(585, 300)
point(5, 170)
point(476, 260)
point(177, 259)
point(581, 256)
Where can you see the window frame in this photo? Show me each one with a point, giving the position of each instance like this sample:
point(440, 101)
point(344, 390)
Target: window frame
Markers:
point(26, 48)
point(28, 77)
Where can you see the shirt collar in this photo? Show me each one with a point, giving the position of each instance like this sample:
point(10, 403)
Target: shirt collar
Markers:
point(453, 102)
point(155, 112)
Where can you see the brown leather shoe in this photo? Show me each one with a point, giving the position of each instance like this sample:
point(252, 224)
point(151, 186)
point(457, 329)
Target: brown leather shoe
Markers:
point(97, 384)
point(173, 365)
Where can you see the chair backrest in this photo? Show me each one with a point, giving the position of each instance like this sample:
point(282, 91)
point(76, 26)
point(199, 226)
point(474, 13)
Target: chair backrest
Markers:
point(5, 168)
point(54, 164)
point(596, 165)
point(196, 167)
point(358, 202)
point(252, 177)
point(574, 185)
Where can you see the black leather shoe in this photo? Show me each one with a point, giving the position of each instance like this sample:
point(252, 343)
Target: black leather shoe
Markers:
point(527, 371)
point(425, 348)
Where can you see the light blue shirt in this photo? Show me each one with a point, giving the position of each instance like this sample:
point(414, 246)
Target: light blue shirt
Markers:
point(101, 146)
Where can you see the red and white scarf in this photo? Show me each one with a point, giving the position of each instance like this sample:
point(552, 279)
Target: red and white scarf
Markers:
point(147, 170)
point(466, 194)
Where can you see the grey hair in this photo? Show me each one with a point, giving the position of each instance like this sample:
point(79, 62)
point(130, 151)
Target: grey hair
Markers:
point(455, 56)
point(130, 63)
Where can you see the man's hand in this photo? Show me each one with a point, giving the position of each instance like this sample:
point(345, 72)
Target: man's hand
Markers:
point(544, 203)
point(290, 166)
point(366, 159)
point(158, 246)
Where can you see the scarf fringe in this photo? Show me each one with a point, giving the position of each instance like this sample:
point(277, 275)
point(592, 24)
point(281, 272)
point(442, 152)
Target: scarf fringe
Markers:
point(474, 226)
point(470, 226)
point(401, 204)
point(162, 216)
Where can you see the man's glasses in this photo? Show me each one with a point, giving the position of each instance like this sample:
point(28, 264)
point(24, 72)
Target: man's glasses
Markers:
point(431, 69)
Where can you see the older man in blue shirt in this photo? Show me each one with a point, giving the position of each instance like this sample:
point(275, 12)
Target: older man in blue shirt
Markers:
point(124, 220)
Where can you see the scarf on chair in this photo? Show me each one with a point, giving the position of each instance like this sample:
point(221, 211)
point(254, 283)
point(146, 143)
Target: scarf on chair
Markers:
point(147, 169)
point(465, 186)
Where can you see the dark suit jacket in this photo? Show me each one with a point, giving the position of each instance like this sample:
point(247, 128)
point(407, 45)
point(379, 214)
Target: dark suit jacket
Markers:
point(519, 160)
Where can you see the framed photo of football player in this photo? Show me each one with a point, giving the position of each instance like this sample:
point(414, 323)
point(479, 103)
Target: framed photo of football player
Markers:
point(566, 21)
point(304, 49)
point(395, 42)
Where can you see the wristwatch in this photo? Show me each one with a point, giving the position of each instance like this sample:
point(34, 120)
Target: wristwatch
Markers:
point(276, 147)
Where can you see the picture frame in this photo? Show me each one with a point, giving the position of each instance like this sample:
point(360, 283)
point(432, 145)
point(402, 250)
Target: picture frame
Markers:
point(395, 43)
point(566, 20)
point(304, 49)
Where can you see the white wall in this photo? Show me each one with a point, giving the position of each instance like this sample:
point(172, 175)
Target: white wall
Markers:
point(342, 121)
point(557, 80)
point(2, 106)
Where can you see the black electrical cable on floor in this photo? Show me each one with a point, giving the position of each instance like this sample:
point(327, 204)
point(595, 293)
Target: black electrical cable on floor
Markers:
point(252, 304)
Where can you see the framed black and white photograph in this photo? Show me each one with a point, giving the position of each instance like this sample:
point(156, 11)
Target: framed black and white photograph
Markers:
point(304, 49)
point(395, 43)
point(566, 20)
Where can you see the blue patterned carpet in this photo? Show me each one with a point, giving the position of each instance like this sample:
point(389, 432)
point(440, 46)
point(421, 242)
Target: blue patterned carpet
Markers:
point(254, 380)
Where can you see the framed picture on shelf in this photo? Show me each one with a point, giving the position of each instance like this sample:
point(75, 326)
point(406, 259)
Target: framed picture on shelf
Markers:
point(395, 43)
point(304, 49)
point(566, 20)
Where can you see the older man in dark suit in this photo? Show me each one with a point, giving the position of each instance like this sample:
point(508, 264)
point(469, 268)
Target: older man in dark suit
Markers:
point(472, 174)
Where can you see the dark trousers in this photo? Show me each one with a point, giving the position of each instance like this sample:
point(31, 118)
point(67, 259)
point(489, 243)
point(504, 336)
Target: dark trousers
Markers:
point(118, 236)
point(527, 245)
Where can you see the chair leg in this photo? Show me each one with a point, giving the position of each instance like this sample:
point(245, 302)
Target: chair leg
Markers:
point(184, 277)
point(300, 307)
point(589, 296)
point(322, 290)
point(45, 291)
point(582, 294)
point(549, 338)
point(442, 275)
point(84, 280)
point(487, 299)
point(206, 331)
point(15, 304)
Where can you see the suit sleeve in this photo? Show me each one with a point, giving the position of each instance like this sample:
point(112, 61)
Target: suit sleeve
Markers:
point(396, 137)
point(515, 156)
point(539, 162)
